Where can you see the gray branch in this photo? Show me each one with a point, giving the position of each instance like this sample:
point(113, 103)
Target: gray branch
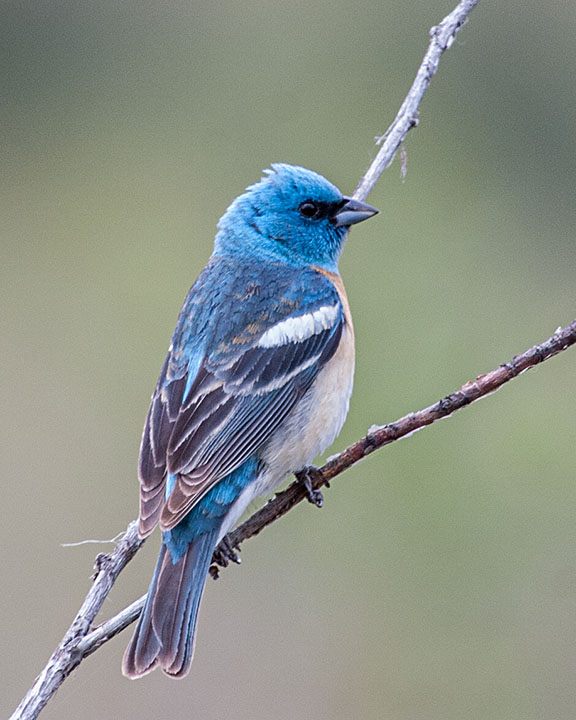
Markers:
point(68, 654)
point(81, 639)
point(442, 36)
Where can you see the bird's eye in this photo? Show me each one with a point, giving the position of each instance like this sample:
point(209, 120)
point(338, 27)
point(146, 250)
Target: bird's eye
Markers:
point(309, 209)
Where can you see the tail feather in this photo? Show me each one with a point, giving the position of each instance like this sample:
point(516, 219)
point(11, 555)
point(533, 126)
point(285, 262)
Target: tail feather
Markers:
point(165, 632)
point(181, 662)
point(141, 656)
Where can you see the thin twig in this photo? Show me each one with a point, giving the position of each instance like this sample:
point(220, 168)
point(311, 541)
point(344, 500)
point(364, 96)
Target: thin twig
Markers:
point(379, 436)
point(442, 36)
point(80, 640)
point(68, 655)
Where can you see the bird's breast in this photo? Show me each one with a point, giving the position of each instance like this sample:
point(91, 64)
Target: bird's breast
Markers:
point(314, 423)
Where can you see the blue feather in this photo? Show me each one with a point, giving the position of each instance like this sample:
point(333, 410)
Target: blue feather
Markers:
point(166, 628)
point(209, 513)
point(262, 322)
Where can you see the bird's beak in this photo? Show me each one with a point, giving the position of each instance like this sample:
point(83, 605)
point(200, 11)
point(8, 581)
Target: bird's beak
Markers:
point(352, 212)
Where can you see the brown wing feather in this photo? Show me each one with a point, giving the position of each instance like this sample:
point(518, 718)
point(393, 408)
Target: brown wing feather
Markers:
point(217, 431)
point(234, 404)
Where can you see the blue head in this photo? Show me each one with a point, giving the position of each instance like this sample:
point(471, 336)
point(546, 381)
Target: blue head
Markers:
point(292, 215)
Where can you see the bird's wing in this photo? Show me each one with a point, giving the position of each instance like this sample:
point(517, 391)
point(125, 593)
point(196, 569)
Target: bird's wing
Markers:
point(205, 421)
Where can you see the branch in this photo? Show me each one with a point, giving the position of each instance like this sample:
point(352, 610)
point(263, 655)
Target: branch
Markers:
point(442, 37)
point(380, 435)
point(80, 641)
point(68, 654)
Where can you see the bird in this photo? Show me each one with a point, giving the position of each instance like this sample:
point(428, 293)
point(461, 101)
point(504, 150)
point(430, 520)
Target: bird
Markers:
point(256, 384)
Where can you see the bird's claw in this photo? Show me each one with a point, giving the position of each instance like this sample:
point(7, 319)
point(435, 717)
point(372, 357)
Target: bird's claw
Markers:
point(224, 554)
point(305, 478)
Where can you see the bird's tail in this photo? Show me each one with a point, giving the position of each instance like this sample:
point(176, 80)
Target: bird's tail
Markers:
point(165, 631)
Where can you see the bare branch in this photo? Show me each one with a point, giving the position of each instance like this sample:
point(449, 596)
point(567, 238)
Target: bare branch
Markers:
point(68, 655)
point(442, 36)
point(80, 640)
point(379, 436)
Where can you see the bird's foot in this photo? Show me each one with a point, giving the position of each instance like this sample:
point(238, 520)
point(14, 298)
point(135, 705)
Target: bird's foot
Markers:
point(224, 554)
point(306, 477)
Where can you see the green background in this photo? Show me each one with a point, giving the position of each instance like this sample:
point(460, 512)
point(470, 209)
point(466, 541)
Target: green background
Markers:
point(439, 580)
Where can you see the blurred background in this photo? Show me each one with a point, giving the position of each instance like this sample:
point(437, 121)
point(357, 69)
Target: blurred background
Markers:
point(439, 580)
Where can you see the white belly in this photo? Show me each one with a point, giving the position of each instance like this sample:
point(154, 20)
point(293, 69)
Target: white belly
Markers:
point(309, 429)
point(317, 419)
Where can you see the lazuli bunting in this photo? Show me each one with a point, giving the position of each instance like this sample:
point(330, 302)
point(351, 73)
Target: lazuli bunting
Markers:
point(256, 384)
